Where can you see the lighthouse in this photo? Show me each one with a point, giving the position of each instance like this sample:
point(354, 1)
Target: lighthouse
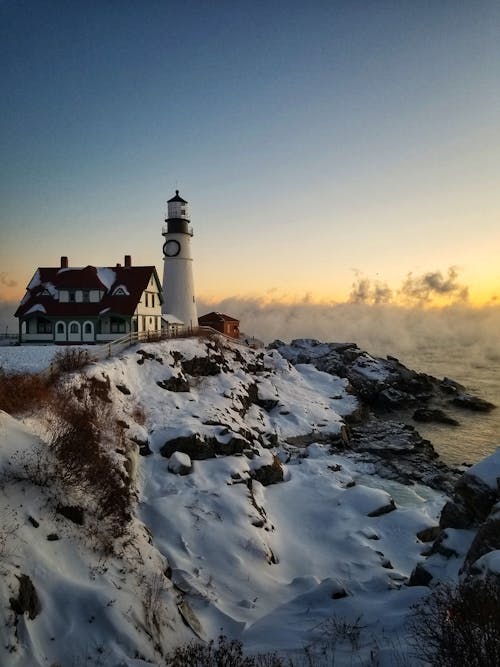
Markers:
point(179, 304)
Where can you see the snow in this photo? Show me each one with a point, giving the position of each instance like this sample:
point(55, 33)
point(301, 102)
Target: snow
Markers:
point(30, 358)
point(489, 563)
point(259, 562)
point(27, 358)
point(35, 281)
point(37, 308)
point(107, 276)
point(179, 462)
point(488, 470)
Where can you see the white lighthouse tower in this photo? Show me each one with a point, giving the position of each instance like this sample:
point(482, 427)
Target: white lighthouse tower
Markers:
point(179, 305)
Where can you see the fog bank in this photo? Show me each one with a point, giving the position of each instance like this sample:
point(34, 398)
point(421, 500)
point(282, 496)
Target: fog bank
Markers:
point(379, 328)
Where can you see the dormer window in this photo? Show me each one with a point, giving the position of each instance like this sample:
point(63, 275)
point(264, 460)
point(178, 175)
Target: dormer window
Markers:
point(121, 290)
point(45, 292)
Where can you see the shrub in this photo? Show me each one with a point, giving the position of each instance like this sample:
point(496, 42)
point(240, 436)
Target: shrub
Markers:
point(22, 392)
point(460, 626)
point(227, 653)
point(70, 359)
point(82, 448)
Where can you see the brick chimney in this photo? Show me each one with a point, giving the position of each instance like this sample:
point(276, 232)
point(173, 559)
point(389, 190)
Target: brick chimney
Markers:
point(64, 262)
point(128, 260)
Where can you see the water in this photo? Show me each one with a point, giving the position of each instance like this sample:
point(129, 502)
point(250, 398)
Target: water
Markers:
point(479, 433)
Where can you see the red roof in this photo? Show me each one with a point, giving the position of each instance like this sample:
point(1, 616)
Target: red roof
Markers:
point(43, 287)
point(216, 317)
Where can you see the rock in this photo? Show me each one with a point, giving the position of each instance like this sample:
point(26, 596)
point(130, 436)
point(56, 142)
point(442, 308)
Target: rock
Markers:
point(437, 416)
point(125, 390)
point(450, 386)
point(474, 403)
point(203, 366)
point(175, 383)
point(487, 539)
point(385, 509)
point(269, 474)
point(455, 515)
point(180, 464)
point(439, 547)
point(53, 537)
point(196, 447)
point(27, 600)
point(476, 495)
point(190, 619)
point(72, 512)
point(428, 534)
point(33, 522)
point(144, 448)
point(339, 594)
point(235, 445)
point(420, 576)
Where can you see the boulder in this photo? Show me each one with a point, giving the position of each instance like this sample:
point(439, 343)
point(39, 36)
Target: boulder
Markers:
point(385, 509)
point(175, 383)
point(420, 576)
point(180, 464)
point(203, 366)
point(27, 600)
point(269, 474)
point(437, 416)
point(477, 496)
point(144, 448)
point(428, 534)
point(455, 515)
point(474, 403)
point(196, 447)
point(487, 539)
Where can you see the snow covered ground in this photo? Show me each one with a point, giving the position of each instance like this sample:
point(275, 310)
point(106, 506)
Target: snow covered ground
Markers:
point(266, 564)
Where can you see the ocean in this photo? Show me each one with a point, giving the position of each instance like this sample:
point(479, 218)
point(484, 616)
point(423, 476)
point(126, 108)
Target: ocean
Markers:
point(479, 433)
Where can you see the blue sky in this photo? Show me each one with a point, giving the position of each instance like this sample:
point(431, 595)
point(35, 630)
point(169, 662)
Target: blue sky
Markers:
point(311, 139)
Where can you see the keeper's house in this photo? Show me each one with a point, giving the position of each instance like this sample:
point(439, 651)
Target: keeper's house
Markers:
point(89, 305)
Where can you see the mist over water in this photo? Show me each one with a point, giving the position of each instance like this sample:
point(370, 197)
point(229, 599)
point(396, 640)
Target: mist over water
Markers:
point(459, 342)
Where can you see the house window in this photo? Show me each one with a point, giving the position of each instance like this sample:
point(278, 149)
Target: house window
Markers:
point(60, 328)
point(72, 297)
point(87, 328)
point(147, 299)
point(86, 297)
point(73, 328)
point(43, 326)
point(152, 300)
point(117, 325)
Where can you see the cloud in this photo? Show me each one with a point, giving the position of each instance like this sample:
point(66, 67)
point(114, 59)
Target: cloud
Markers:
point(5, 281)
point(414, 290)
point(422, 289)
point(367, 291)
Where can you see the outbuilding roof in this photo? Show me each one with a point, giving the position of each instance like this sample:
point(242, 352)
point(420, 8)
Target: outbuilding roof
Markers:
point(215, 316)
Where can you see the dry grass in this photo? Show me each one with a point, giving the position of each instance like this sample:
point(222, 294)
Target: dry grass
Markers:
point(23, 392)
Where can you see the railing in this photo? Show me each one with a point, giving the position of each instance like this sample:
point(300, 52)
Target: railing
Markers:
point(106, 351)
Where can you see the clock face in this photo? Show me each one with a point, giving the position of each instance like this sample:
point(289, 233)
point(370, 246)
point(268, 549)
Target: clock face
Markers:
point(171, 248)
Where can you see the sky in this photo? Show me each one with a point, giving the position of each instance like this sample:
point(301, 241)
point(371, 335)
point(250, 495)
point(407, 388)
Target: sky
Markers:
point(330, 151)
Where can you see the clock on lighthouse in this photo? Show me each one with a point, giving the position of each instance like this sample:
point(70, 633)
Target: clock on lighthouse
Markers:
point(179, 304)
